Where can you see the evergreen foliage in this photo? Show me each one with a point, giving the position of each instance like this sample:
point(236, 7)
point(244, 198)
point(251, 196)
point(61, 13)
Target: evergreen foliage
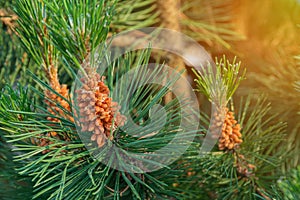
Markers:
point(290, 185)
point(44, 155)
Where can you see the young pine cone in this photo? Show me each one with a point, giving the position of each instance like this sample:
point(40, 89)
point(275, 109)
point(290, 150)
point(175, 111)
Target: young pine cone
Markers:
point(231, 135)
point(57, 100)
point(98, 113)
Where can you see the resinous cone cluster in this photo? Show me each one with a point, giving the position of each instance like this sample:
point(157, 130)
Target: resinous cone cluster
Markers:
point(52, 101)
point(56, 105)
point(231, 135)
point(55, 100)
point(98, 113)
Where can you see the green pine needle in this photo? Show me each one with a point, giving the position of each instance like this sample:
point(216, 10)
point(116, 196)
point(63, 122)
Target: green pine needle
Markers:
point(218, 83)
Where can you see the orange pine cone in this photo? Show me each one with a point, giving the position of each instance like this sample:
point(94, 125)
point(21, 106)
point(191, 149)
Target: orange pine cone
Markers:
point(231, 135)
point(52, 100)
point(63, 91)
point(98, 113)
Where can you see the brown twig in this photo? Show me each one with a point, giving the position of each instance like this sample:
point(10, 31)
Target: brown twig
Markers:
point(170, 18)
point(258, 190)
point(8, 20)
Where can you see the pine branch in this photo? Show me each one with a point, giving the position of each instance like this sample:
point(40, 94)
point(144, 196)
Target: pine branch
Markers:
point(291, 185)
point(12, 185)
point(247, 172)
point(78, 29)
point(16, 186)
point(59, 156)
point(61, 166)
point(218, 83)
point(134, 14)
point(13, 59)
point(210, 22)
point(278, 81)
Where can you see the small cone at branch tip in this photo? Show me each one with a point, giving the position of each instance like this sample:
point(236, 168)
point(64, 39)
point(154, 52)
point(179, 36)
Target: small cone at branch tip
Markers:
point(231, 136)
point(98, 113)
point(57, 107)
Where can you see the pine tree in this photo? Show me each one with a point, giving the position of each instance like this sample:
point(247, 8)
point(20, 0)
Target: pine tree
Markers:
point(62, 115)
